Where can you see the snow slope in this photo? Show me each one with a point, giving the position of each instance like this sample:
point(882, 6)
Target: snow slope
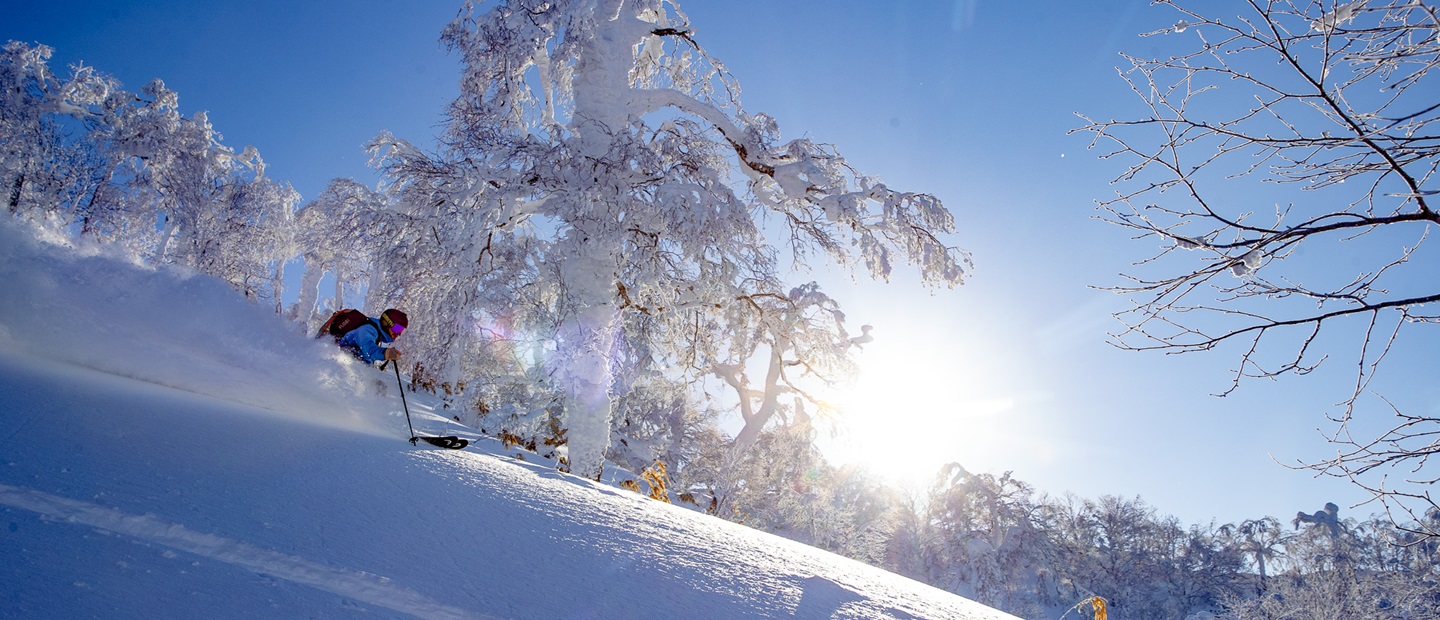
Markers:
point(170, 451)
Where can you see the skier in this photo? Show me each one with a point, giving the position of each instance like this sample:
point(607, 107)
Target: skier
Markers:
point(370, 340)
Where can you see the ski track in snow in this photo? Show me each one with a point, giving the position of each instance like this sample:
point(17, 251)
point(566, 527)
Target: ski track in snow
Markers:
point(361, 586)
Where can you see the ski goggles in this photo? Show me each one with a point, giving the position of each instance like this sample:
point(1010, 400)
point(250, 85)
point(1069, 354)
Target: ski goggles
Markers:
point(396, 329)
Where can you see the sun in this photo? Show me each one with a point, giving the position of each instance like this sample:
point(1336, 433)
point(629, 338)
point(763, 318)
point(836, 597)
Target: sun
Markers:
point(913, 409)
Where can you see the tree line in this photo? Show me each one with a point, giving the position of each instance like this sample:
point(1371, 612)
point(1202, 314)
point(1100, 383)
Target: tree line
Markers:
point(996, 540)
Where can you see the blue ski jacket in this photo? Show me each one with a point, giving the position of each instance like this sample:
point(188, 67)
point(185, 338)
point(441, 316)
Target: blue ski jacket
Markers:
point(365, 341)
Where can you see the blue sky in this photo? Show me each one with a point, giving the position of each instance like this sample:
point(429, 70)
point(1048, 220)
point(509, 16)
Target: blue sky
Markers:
point(970, 100)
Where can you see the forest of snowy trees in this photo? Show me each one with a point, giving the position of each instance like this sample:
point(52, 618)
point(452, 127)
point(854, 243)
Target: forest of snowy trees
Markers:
point(586, 261)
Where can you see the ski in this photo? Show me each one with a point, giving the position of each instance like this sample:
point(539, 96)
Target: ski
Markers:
point(448, 441)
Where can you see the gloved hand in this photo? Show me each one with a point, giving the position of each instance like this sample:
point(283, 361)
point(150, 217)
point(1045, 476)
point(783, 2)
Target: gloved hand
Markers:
point(392, 354)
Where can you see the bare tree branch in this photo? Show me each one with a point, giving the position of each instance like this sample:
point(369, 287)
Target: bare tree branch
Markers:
point(1331, 107)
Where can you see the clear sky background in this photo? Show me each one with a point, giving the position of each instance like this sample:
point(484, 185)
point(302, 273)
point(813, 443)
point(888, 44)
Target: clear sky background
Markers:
point(970, 100)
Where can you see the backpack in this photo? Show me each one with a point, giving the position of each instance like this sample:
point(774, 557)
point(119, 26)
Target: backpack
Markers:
point(343, 322)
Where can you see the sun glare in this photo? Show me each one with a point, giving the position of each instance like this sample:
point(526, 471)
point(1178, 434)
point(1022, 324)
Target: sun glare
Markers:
point(912, 411)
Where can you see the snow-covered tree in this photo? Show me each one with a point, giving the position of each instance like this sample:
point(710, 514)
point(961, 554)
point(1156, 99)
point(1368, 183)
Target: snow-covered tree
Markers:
point(220, 214)
point(795, 336)
point(912, 549)
point(339, 232)
point(1263, 540)
point(190, 175)
point(987, 532)
point(604, 129)
point(786, 487)
point(484, 310)
point(1338, 568)
point(49, 166)
point(1145, 565)
point(650, 423)
point(248, 235)
point(25, 80)
point(80, 151)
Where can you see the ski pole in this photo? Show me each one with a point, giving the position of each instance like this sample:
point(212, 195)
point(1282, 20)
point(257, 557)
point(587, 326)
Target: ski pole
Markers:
point(401, 385)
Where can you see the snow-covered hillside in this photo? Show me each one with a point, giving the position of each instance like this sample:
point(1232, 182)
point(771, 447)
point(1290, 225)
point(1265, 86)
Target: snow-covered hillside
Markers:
point(168, 450)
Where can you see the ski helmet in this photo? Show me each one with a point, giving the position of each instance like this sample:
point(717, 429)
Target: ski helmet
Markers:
point(394, 321)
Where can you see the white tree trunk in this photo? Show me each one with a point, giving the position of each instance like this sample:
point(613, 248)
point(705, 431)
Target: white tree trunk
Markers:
point(277, 286)
point(586, 374)
point(602, 79)
point(769, 400)
point(340, 287)
point(601, 87)
point(309, 296)
point(374, 291)
point(171, 229)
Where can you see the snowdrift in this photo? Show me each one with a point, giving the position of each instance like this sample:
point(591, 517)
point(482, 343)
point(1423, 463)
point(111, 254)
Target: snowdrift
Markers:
point(170, 451)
